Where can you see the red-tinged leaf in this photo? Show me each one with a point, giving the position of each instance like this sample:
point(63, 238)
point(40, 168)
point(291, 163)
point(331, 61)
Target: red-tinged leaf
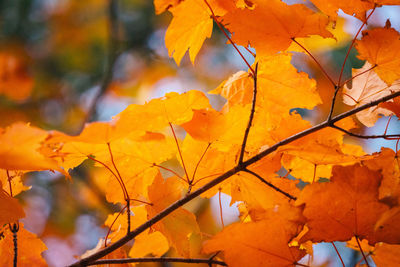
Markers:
point(367, 87)
point(30, 248)
point(261, 243)
point(348, 204)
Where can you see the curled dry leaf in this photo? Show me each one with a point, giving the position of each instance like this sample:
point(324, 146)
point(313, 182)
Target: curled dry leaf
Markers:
point(367, 86)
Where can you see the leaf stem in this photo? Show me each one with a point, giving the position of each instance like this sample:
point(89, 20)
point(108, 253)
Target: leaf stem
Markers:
point(337, 252)
point(227, 36)
point(338, 85)
point(112, 172)
point(358, 74)
point(116, 169)
point(351, 46)
point(362, 252)
point(220, 207)
point(198, 163)
point(180, 153)
point(316, 61)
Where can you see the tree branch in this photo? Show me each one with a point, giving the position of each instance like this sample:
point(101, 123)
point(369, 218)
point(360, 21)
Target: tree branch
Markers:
point(223, 177)
point(253, 108)
point(270, 185)
point(365, 136)
point(134, 260)
point(111, 59)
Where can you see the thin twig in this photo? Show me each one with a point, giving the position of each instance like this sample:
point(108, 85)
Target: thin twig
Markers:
point(270, 185)
point(251, 117)
point(333, 102)
point(385, 136)
point(223, 177)
point(162, 259)
point(14, 230)
point(113, 52)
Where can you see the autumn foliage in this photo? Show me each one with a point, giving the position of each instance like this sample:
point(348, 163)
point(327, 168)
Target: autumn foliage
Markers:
point(283, 146)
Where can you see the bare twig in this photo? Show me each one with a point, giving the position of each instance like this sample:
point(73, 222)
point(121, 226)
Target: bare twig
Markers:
point(271, 185)
point(365, 136)
point(112, 56)
point(14, 230)
point(251, 117)
point(223, 177)
point(134, 260)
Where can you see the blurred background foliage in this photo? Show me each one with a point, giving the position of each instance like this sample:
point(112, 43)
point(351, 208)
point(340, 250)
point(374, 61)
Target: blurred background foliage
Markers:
point(55, 56)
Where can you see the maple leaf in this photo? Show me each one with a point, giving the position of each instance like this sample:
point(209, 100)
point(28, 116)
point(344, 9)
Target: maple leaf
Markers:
point(30, 249)
point(271, 25)
point(366, 88)
point(10, 209)
point(280, 86)
point(357, 7)
point(348, 204)
point(381, 47)
point(155, 115)
point(387, 228)
point(387, 163)
point(163, 5)
point(392, 106)
point(14, 178)
point(322, 147)
point(189, 28)
point(19, 149)
point(386, 255)
point(146, 243)
point(261, 243)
